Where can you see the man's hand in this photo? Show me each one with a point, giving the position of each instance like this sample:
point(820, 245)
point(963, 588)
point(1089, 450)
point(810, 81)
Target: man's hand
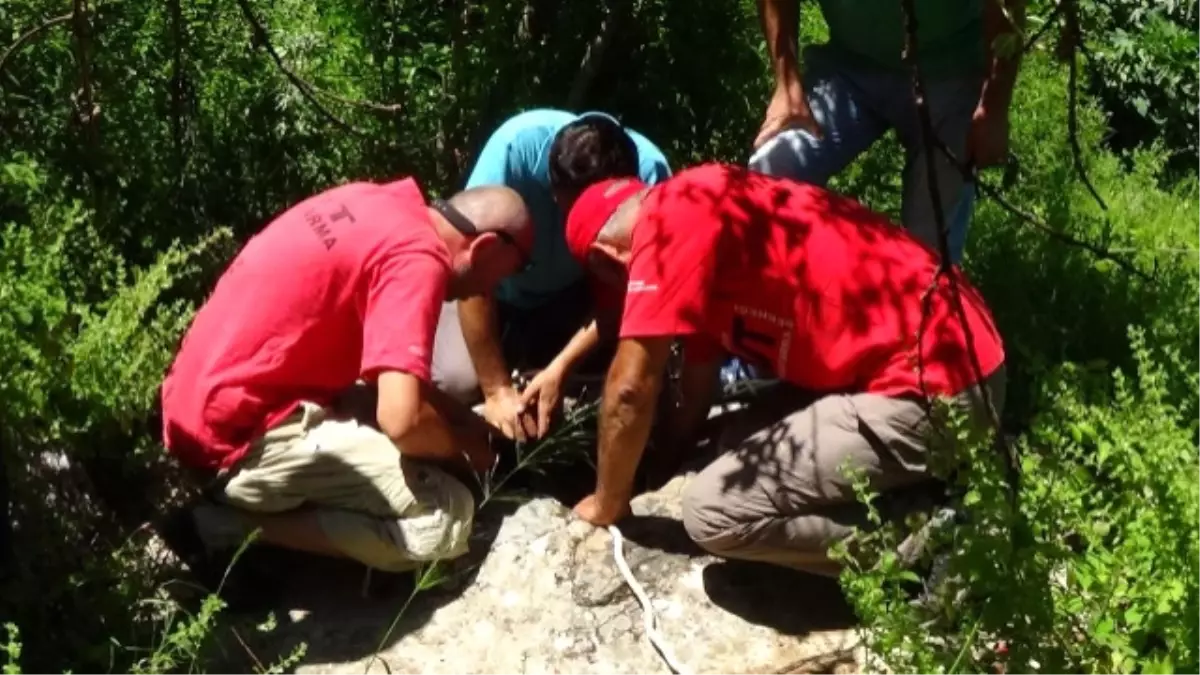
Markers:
point(594, 511)
point(440, 429)
point(987, 142)
point(788, 109)
point(542, 396)
point(505, 411)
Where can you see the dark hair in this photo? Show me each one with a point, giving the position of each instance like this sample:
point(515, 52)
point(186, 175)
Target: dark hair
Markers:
point(590, 149)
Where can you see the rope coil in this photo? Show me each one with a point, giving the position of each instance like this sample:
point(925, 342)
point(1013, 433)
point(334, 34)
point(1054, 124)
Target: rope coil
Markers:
point(648, 619)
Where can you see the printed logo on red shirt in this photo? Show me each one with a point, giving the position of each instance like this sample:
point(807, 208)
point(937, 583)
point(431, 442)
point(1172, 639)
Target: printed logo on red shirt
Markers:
point(769, 344)
point(320, 225)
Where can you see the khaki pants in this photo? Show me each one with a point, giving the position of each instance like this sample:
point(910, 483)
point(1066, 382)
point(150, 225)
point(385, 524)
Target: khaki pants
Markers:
point(377, 507)
point(779, 495)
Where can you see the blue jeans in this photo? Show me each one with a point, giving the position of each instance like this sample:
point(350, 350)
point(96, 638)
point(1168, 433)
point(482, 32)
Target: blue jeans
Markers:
point(855, 108)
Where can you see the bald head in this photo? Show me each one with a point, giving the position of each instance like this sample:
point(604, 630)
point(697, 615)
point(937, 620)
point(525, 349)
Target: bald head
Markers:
point(489, 232)
point(496, 208)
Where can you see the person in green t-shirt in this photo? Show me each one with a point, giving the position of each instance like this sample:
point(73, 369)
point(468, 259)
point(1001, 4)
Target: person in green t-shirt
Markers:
point(858, 85)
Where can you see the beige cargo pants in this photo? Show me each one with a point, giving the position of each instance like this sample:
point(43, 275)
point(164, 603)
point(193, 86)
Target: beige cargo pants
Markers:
point(389, 512)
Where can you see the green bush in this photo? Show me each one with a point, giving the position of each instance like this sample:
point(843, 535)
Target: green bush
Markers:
point(1143, 66)
point(86, 341)
point(109, 239)
point(1097, 569)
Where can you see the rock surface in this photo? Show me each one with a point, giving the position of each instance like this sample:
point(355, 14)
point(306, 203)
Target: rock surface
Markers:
point(541, 593)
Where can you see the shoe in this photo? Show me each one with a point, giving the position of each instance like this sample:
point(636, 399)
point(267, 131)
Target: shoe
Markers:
point(245, 584)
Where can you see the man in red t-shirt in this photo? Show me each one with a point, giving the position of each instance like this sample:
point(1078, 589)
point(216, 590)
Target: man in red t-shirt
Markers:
point(341, 292)
point(810, 286)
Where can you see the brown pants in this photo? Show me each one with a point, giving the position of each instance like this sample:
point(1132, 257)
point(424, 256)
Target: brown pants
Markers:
point(779, 495)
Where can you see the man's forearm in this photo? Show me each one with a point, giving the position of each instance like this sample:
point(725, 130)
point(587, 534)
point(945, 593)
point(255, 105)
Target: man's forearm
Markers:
point(443, 437)
point(430, 438)
point(477, 315)
point(583, 342)
point(626, 414)
point(1003, 60)
point(780, 25)
point(625, 419)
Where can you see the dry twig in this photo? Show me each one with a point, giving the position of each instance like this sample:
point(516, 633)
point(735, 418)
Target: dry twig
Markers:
point(31, 34)
point(307, 89)
point(945, 266)
point(1071, 17)
point(261, 31)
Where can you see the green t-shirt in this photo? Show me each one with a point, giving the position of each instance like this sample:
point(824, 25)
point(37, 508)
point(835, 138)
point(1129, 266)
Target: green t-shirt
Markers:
point(870, 34)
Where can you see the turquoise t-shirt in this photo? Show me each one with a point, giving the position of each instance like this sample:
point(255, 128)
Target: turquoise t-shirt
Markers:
point(518, 155)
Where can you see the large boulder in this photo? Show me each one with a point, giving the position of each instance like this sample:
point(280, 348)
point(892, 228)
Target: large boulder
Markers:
point(541, 593)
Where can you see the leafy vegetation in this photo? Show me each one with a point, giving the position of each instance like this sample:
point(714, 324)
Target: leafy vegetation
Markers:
point(140, 142)
point(1145, 71)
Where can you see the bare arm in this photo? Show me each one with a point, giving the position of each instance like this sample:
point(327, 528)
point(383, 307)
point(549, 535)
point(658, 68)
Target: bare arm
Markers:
point(1003, 63)
point(780, 20)
point(788, 107)
point(626, 414)
point(582, 343)
point(502, 406)
point(544, 392)
point(477, 314)
point(424, 423)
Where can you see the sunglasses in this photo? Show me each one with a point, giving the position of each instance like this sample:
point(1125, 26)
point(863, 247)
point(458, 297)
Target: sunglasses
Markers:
point(464, 225)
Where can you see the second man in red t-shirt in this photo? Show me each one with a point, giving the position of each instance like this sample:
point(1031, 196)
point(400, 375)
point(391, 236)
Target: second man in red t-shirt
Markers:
point(808, 285)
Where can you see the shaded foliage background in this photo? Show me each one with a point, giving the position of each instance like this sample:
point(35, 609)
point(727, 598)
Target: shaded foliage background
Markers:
point(141, 142)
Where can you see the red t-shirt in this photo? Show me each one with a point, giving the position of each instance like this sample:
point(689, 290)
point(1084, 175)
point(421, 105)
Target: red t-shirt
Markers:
point(341, 286)
point(809, 284)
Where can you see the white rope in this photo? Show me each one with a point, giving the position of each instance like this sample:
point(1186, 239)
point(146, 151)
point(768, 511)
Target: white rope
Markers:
point(656, 638)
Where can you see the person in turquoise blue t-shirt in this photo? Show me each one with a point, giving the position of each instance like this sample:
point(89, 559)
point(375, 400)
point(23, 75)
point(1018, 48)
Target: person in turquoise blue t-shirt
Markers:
point(541, 317)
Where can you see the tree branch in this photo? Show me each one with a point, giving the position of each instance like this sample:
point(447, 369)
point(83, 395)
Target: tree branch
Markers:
point(310, 90)
point(925, 122)
point(1071, 16)
point(83, 56)
point(31, 34)
point(1072, 40)
point(1098, 251)
point(593, 57)
point(86, 109)
point(1051, 19)
point(306, 89)
point(929, 140)
point(452, 132)
point(995, 195)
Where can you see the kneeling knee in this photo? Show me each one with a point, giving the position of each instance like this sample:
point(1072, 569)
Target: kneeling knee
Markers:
point(437, 530)
point(709, 523)
point(442, 526)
